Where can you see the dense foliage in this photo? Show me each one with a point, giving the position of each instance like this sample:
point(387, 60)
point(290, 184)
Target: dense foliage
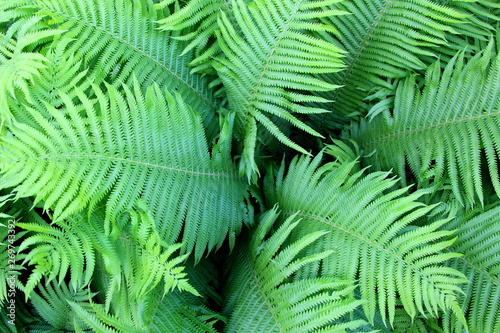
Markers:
point(250, 166)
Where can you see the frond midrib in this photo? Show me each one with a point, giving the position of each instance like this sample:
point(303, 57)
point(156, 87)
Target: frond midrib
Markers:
point(131, 161)
point(477, 269)
point(367, 241)
point(395, 136)
point(116, 37)
point(356, 55)
point(263, 294)
point(257, 86)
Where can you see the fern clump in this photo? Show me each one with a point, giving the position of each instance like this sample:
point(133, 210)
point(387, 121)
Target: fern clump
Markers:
point(249, 166)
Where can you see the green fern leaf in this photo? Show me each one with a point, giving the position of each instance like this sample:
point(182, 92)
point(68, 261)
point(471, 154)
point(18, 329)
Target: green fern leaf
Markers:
point(443, 130)
point(268, 64)
point(200, 13)
point(478, 236)
point(383, 39)
point(118, 40)
point(261, 298)
point(52, 302)
point(368, 238)
point(57, 250)
point(122, 146)
point(17, 69)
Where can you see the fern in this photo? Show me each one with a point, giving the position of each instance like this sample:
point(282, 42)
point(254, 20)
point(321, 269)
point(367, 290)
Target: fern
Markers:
point(57, 251)
point(103, 150)
point(453, 123)
point(144, 144)
point(267, 66)
point(385, 39)
point(478, 234)
point(205, 13)
point(117, 41)
point(371, 234)
point(16, 70)
point(260, 299)
point(53, 304)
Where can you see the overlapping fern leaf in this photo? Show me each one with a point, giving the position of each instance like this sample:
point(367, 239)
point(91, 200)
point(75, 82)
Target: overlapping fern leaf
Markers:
point(19, 67)
point(474, 32)
point(59, 251)
point(268, 64)
point(384, 39)
point(121, 146)
point(139, 277)
point(444, 130)
point(60, 73)
point(52, 302)
point(371, 236)
point(202, 14)
point(478, 233)
point(173, 312)
point(118, 40)
point(261, 297)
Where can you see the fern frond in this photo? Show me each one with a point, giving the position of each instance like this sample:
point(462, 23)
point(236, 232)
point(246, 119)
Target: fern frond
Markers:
point(118, 40)
point(478, 233)
point(267, 65)
point(262, 298)
point(383, 39)
point(17, 69)
point(182, 312)
point(20, 63)
point(150, 259)
point(61, 73)
point(443, 130)
point(122, 146)
point(174, 312)
point(367, 234)
point(202, 14)
point(58, 250)
point(52, 302)
point(100, 321)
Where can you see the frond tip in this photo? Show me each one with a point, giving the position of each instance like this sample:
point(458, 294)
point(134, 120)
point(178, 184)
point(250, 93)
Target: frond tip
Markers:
point(267, 65)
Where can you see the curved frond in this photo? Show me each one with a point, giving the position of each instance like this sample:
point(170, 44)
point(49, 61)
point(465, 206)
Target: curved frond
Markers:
point(371, 236)
point(122, 146)
point(17, 69)
point(262, 298)
point(442, 130)
point(58, 250)
point(478, 236)
point(61, 73)
point(268, 64)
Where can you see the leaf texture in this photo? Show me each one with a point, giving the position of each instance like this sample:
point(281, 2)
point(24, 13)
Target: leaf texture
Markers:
point(122, 146)
point(443, 130)
point(267, 65)
point(118, 40)
point(371, 236)
point(384, 39)
point(478, 233)
point(262, 298)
